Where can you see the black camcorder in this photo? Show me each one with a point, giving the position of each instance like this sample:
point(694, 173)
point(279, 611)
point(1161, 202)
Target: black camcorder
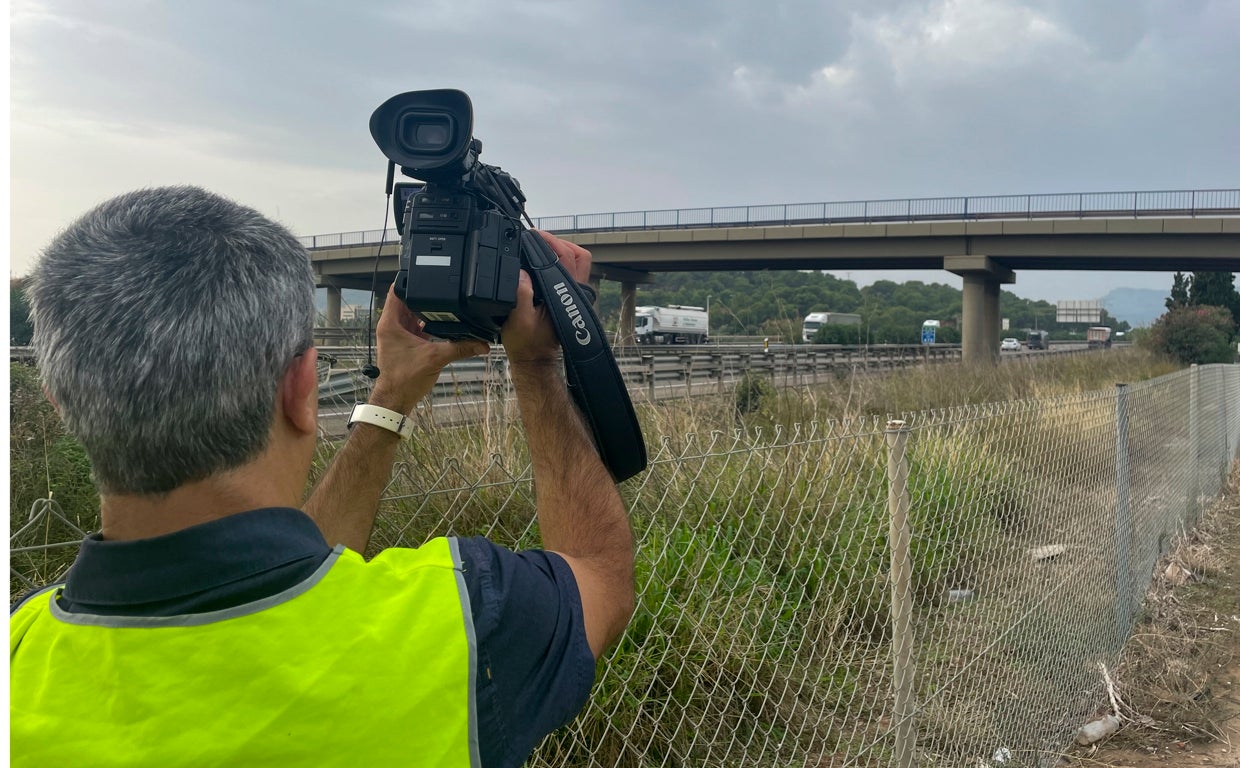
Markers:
point(463, 245)
point(460, 229)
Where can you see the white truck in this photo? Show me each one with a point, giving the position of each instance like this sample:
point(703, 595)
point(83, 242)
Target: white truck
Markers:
point(816, 320)
point(673, 324)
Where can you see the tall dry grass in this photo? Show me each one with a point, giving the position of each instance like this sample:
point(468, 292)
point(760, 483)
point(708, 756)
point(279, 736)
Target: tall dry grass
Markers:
point(762, 619)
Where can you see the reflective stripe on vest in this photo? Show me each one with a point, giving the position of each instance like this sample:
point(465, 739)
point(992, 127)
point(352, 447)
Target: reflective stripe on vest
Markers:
point(363, 664)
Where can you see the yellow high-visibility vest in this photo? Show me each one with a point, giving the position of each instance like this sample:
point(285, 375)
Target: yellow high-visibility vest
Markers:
point(363, 664)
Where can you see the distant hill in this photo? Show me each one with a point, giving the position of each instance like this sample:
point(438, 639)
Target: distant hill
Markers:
point(1139, 306)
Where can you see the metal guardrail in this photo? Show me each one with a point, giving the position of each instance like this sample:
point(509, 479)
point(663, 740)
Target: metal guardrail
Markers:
point(658, 373)
point(655, 374)
point(1067, 205)
point(660, 370)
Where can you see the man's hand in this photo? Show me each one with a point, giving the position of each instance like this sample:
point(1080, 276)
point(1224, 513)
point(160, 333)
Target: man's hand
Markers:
point(346, 499)
point(409, 361)
point(528, 334)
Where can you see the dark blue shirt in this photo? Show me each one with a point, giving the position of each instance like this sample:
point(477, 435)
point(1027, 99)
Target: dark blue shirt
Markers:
point(535, 668)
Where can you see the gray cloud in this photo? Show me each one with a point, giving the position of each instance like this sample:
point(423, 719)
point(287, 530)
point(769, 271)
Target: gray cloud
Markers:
point(600, 105)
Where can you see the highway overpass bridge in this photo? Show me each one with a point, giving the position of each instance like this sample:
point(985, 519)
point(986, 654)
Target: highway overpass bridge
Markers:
point(985, 240)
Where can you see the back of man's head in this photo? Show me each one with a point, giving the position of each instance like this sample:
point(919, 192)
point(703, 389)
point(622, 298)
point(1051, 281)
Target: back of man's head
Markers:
point(164, 319)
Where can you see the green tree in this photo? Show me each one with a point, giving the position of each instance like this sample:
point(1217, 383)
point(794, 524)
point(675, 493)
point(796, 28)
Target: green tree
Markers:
point(896, 325)
point(1215, 289)
point(1194, 335)
point(1179, 292)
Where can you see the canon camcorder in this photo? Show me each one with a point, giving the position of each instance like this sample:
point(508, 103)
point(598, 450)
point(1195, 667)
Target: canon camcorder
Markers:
point(463, 245)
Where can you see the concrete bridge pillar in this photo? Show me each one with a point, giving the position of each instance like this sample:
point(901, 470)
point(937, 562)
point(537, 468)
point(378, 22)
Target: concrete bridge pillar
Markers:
point(980, 310)
point(979, 337)
point(628, 314)
point(333, 307)
point(628, 279)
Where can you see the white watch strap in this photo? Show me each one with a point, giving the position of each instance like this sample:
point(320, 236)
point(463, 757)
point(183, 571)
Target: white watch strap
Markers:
point(382, 417)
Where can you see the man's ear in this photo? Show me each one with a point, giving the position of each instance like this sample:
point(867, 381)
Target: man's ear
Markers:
point(299, 392)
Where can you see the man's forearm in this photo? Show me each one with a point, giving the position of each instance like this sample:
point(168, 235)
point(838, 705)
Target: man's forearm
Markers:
point(580, 512)
point(346, 499)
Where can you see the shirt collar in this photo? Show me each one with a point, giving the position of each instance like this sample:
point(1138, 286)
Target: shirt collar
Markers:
point(193, 559)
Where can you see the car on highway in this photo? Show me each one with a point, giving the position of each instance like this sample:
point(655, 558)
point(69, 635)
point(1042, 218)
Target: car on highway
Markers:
point(1010, 345)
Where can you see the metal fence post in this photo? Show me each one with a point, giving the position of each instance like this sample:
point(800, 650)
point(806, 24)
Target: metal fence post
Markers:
point(647, 362)
point(1228, 375)
point(902, 680)
point(1123, 519)
point(1225, 460)
point(1194, 441)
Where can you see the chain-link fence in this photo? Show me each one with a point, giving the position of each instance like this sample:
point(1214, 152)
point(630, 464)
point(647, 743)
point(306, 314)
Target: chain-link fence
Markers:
point(935, 590)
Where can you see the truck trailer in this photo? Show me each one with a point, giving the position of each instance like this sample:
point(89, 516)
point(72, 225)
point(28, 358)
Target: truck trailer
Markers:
point(673, 324)
point(1098, 336)
point(816, 320)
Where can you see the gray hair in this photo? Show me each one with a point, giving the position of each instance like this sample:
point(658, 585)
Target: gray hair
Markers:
point(163, 322)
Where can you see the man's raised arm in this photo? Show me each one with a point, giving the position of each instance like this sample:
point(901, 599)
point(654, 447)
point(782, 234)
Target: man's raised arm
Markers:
point(580, 513)
point(345, 501)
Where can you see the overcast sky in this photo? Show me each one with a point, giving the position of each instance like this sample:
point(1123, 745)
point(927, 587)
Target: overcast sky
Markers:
point(614, 105)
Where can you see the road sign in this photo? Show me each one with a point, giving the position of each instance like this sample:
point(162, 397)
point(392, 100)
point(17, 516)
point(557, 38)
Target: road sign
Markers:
point(927, 334)
point(1079, 311)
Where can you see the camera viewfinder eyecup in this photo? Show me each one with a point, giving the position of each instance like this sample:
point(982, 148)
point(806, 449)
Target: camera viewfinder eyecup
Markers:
point(463, 245)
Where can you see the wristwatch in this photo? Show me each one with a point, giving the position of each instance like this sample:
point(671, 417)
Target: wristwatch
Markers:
point(390, 420)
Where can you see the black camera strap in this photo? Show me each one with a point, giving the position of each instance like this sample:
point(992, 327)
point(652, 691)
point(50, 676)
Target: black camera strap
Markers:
point(593, 376)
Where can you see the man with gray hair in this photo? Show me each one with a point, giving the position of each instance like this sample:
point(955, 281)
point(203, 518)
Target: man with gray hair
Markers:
point(219, 619)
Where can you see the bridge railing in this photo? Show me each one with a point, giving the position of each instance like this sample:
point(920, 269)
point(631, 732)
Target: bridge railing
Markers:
point(1078, 205)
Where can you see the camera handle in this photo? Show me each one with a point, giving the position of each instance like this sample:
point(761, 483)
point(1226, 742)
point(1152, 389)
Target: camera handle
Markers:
point(594, 379)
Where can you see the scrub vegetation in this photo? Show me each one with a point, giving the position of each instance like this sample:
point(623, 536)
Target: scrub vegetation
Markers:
point(47, 463)
point(762, 617)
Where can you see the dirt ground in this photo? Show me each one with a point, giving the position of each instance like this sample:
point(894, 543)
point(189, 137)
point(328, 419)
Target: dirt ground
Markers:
point(1178, 682)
